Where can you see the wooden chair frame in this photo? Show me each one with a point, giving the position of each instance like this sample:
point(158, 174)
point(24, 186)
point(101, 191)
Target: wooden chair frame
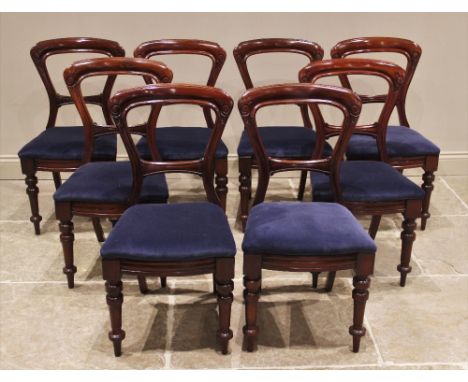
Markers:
point(412, 52)
point(217, 55)
point(362, 263)
point(394, 76)
point(222, 268)
point(74, 76)
point(242, 52)
point(39, 54)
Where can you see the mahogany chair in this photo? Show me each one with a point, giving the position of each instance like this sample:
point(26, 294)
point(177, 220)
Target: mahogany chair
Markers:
point(103, 189)
point(188, 142)
point(171, 239)
point(368, 187)
point(280, 141)
point(302, 236)
point(63, 149)
point(406, 148)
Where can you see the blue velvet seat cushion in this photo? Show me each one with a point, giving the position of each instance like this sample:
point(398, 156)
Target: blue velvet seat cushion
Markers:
point(295, 228)
point(401, 142)
point(67, 143)
point(109, 182)
point(170, 232)
point(283, 142)
point(366, 181)
point(181, 143)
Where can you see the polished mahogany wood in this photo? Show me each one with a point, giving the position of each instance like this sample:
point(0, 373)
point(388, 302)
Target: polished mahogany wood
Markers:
point(40, 54)
point(74, 77)
point(394, 76)
point(362, 263)
point(157, 96)
point(242, 53)
point(217, 56)
point(412, 53)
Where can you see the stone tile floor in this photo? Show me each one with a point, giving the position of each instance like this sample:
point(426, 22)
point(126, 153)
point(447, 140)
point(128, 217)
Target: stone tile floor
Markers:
point(43, 325)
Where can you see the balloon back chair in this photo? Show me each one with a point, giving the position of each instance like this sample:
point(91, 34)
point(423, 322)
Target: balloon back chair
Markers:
point(281, 141)
point(102, 189)
point(406, 148)
point(368, 187)
point(63, 149)
point(302, 236)
point(171, 239)
point(188, 142)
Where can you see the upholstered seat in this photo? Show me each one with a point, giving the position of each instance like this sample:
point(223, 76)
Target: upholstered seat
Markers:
point(283, 142)
point(67, 143)
point(366, 181)
point(109, 182)
point(172, 232)
point(401, 142)
point(308, 229)
point(181, 143)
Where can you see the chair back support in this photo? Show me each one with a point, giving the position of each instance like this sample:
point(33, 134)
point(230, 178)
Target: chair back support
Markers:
point(45, 49)
point(409, 49)
point(213, 99)
point(343, 99)
point(246, 49)
point(209, 49)
point(391, 73)
point(111, 67)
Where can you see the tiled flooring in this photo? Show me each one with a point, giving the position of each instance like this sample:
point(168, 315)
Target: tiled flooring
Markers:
point(44, 325)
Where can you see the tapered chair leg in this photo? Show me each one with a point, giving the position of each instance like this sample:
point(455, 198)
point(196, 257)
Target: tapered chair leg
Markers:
point(142, 284)
point(252, 285)
point(224, 274)
point(374, 225)
point(360, 296)
point(221, 180)
point(163, 282)
point(302, 185)
point(32, 190)
point(428, 187)
point(57, 179)
point(330, 281)
point(315, 276)
point(245, 187)
point(67, 238)
point(112, 275)
point(98, 230)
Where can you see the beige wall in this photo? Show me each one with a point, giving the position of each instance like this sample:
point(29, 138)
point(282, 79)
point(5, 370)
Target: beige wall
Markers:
point(437, 101)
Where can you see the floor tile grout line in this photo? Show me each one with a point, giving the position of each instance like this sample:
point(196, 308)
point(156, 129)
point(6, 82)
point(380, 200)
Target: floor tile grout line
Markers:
point(454, 193)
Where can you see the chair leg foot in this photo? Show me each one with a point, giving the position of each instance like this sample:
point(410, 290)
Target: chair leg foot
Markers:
point(142, 284)
point(98, 230)
point(302, 185)
point(252, 287)
point(407, 238)
point(428, 187)
point(32, 190)
point(330, 281)
point(245, 188)
point(67, 238)
point(114, 301)
point(360, 296)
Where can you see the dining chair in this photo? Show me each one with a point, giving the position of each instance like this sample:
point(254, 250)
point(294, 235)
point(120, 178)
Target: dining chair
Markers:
point(103, 189)
point(281, 141)
point(188, 142)
point(368, 187)
point(62, 149)
point(406, 148)
point(302, 236)
point(178, 239)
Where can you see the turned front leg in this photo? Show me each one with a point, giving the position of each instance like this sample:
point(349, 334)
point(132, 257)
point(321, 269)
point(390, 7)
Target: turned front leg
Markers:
point(224, 286)
point(252, 286)
point(428, 187)
point(245, 187)
point(67, 238)
point(221, 181)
